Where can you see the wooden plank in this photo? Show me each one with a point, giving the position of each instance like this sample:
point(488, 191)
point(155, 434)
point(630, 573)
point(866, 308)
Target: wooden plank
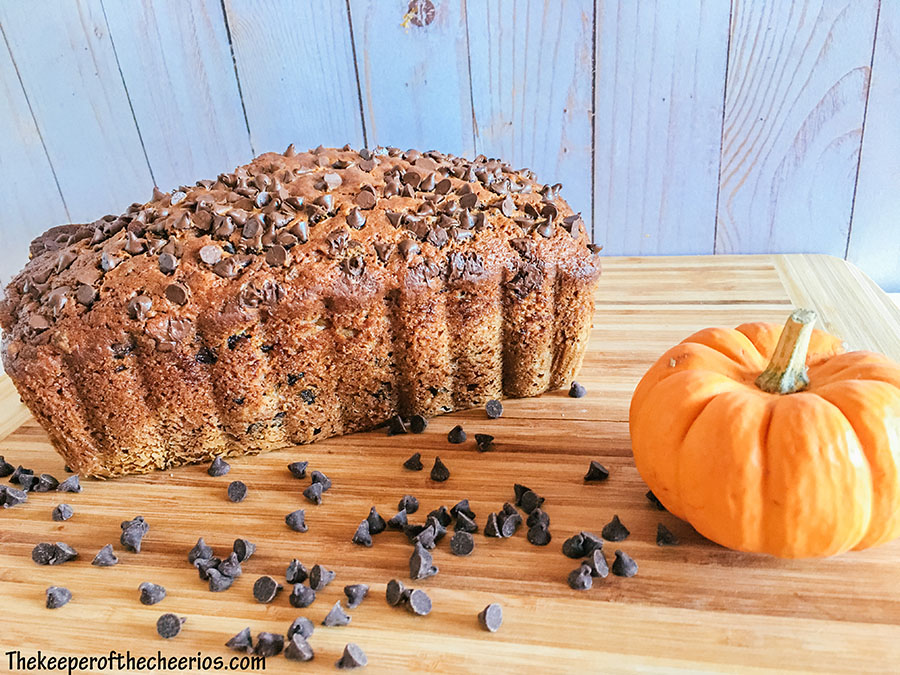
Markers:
point(176, 62)
point(295, 65)
point(660, 77)
point(874, 244)
point(531, 89)
point(697, 607)
point(798, 74)
point(414, 76)
point(81, 108)
point(24, 170)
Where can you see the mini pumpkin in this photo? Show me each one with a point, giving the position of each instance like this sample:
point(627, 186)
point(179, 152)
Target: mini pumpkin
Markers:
point(786, 445)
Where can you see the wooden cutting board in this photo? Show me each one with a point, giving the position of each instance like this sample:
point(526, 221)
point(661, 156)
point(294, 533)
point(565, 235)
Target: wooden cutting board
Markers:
point(697, 606)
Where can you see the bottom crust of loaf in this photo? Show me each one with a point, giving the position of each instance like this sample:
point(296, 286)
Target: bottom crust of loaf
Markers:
point(326, 370)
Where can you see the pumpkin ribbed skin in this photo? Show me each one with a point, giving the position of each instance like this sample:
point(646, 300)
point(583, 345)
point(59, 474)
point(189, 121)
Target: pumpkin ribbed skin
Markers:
point(808, 474)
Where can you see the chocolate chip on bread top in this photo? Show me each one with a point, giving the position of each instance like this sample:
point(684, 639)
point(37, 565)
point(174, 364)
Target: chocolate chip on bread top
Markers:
point(303, 295)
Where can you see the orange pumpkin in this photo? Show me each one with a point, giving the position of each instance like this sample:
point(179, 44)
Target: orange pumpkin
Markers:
point(797, 458)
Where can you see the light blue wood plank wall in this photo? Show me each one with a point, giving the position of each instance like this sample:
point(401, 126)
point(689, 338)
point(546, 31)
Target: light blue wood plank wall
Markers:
point(703, 126)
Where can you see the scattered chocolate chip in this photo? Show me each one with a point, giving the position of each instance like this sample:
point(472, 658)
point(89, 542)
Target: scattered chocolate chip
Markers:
point(151, 593)
point(419, 603)
point(439, 472)
point(355, 218)
point(269, 644)
point(219, 467)
point(70, 484)
point(177, 293)
point(597, 563)
point(421, 534)
point(10, 496)
point(580, 579)
point(577, 390)
point(409, 504)
point(365, 199)
point(509, 523)
point(320, 478)
point(573, 547)
point(298, 649)
point(491, 617)
point(319, 577)
point(105, 557)
point(45, 483)
point(53, 554)
point(19, 473)
point(596, 472)
point(62, 512)
point(653, 499)
point(265, 589)
point(301, 626)
point(218, 582)
point(624, 565)
point(414, 463)
point(664, 536)
point(314, 493)
point(376, 522)
point(362, 536)
point(296, 572)
point(538, 516)
point(169, 625)
point(418, 424)
point(242, 642)
point(421, 563)
point(296, 520)
point(302, 596)
point(462, 543)
point(398, 521)
point(441, 515)
point(464, 523)
point(353, 657)
point(298, 469)
point(457, 435)
point(277, 256)
point(204, 565)
point(493, 408)
point(395, 593)
point(539, 535)
point(397, 426)
point(6, 469)
point(336, 616)
point(133, 532)
point(210, 254)
point(168, 263)
point(355, 594)
point(243, 548)
point(530, 501)
point(408, 248)
point(614, 530)
point(237, 491)
point(231, 566)
point(57, 596)
point(484, 442)
point(492, 526)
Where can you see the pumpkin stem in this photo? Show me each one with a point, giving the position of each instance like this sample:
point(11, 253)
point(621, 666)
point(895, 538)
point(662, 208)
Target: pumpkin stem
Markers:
point(786, 372)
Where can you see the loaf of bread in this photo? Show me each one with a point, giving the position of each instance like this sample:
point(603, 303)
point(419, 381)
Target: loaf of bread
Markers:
point(301, 296)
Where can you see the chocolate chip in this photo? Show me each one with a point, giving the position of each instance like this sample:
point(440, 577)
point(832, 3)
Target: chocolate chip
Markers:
point(237, 491)
point(509, 523)
point(362, 536)
point(596, 472)
point(443, 186)
point(336, 616)
point(408, 248)
point(205, 565)
point(653, 499)
point(491, 617)
point(301, 626)
point(573, 547)
point(580, 579)
point(577, 390)
point(314, 493)
point(10, 496)
point(265, 589)
point(376, 522)
point(231, 566)
point(398, 521)
point(206, 356)
point(243, 548)
point(409, 504)
point(469, 201)
point(85, 295)
point(168, 263)
point(664, 536)
point(28, 482)
point(624, 565)
point(139, 306)
point(421, 563)
point(53, 554)
point(397, 426)
point(539, 535)
point(319, 577)
point(457, 435)
point(219, 467)
point(210, 254)
point(298, 469)
point(355, 218)
point(492, 526)
point(242, 642)
point(151, 593)
point(439, 472)
point(296, 520)
point(614, 530)
point(105, 557)
point(45, 483)
point(365, 199)
point(177, 293)
point(462, 543)
point(133, 532)
point(277, 256)
point(18, 473)
point(169, 625)
point(6, 469)
point(538, 516)
point(493, 408)
point(269, 644)
point(419, 603)
point(70, 484)
point(218, 582)
point(302, 596)
point(418, 424)
point(395, 593)
point(484, 442)
point(108, 262)
point(384, 249)
point(597, 563)
point(57, 596)
point(414, 463)
point(355, 594)
point(353, 657)
point(465, 523)
point(508, 207)
point(530, 501)
point(320, 478)
point(296, 572)
point(298, 649)
point(62, 512)
point(332, 180)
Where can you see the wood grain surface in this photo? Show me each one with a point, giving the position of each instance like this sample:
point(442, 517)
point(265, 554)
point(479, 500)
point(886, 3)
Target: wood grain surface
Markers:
point(695, 607)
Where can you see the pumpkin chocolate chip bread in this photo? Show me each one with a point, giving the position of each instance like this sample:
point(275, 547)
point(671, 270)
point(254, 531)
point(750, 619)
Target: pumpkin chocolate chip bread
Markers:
point(303, 295)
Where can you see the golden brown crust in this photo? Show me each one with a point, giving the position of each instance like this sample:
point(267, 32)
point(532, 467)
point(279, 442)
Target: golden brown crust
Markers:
point(302, 296)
